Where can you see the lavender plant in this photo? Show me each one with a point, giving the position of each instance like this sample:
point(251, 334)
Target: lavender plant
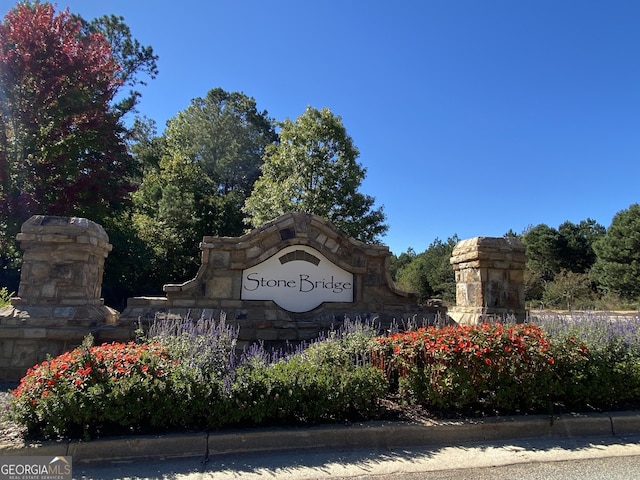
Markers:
point(331, 377)
point(596, 328)
point(205, 345)
point(349, 344)
point(205, 353)
point(607, 372)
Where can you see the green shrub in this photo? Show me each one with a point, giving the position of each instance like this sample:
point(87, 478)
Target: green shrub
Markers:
point(5, 297)
point(602, 376)
point(488, 368)
point(331, 379)
point(98, 390)
point(598, 358)
point(295, 390)
point(205, 354)
point(351, 344)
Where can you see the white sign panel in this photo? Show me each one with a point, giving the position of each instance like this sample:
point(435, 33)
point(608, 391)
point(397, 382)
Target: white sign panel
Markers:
point(298, 278)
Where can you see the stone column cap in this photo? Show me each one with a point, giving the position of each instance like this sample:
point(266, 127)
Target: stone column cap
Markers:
point(489, 248)
point(55, 229)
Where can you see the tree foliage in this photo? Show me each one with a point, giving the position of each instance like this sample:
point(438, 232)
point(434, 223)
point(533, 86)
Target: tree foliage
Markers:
point(132, 57)
point(544, 247)
point(568, 289)
point(197, 177)
point(314, 169)
point(554, 255)
point(399, 262)
point(430, 273)
point(63, 144)
point(129, 269)
point(578, 255)
point(617, 268)
point(55, 121)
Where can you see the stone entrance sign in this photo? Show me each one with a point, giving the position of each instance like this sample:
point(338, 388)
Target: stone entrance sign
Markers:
point(298, 279)
point(288, 280)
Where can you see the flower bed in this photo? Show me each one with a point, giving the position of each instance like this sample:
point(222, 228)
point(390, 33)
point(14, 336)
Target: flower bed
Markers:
point(186, 375)
point(99, 390)
point(488, 368)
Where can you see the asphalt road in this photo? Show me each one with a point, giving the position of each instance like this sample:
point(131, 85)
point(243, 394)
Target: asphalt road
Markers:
point(615, 468)
point(583, 458)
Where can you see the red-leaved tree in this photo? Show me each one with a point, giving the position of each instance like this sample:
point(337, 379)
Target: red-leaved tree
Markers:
point(62, 144)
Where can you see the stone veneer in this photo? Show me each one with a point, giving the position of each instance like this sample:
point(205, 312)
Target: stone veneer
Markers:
point(58, 300)
point(489, 280)
point(217, 285)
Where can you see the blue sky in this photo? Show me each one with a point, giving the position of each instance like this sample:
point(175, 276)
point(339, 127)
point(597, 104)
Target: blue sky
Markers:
point(471, 117)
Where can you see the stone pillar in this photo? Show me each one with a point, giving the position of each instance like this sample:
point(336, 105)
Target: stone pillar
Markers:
point(58, 300)
point(63, 261)
point(489, 280)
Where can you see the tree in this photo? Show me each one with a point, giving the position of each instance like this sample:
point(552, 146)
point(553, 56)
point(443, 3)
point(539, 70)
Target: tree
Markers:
point(550, 251)
point(63, 147)
point(414, 277)
point(430, 273)
point(568, 289)
point(226, 136)
point(617, 266)
point(197, 177)
point(62, 144)
point(398, 263)
point(577, 242)
point(55, 83)
point(544, 247)
point(129, 270)
point(132, 57)
point(313, 169)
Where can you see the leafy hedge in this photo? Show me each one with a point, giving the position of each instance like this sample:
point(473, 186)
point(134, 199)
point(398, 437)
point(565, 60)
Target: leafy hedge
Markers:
point(112, 388)
point(186, 375)
point(470, 367)
point(604, 373)
point(592, 363)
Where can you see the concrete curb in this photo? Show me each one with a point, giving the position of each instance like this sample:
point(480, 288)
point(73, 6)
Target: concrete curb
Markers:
point(362, 435)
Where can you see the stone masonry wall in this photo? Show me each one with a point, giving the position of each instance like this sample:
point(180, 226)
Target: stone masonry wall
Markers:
point(58, 301)
point(217, 285)
point(489, 279)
